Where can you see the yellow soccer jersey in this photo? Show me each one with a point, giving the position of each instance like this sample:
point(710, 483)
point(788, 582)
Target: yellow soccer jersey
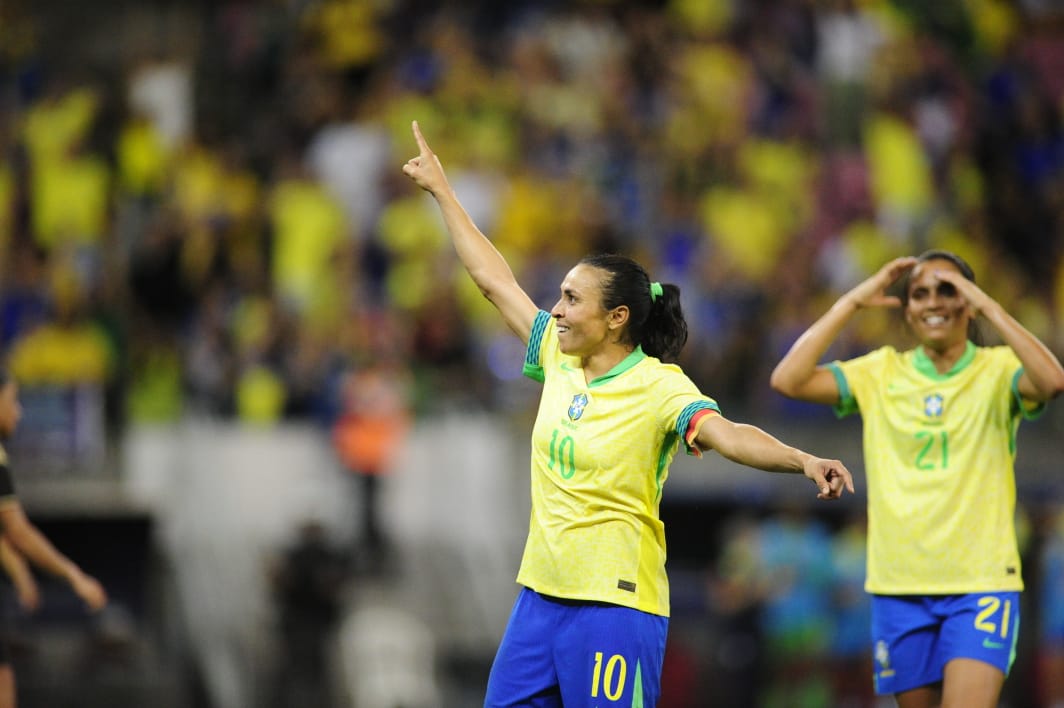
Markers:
point(938, 453)
point(600, 455)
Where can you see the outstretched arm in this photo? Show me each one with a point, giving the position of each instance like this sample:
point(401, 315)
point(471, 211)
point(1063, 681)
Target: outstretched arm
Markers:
point(481, 259)
point(1043, 375)
point(798, 374)
point(752, 446)
point(27, 539)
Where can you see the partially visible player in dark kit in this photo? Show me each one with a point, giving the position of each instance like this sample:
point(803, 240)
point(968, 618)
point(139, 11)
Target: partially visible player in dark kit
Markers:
point(22, 541)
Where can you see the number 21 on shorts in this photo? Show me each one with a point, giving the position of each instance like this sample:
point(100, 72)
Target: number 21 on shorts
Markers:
point(994, 616)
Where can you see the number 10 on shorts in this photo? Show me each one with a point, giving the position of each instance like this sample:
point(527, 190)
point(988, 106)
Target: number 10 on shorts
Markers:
point(609, 678)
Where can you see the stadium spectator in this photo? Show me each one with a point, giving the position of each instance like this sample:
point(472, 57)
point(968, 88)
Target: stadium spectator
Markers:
point(796, 610)
point(308, 583)
point(1050, 668)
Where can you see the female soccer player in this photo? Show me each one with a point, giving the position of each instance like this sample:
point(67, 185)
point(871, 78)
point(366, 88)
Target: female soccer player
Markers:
point(940, 426)
point(588, 627)
point(22, 538)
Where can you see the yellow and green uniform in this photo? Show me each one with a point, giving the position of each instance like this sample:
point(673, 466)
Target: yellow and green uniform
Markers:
point(939, 452)
point(600, 456)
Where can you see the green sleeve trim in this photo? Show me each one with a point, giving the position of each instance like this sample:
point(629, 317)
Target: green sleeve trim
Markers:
point(533, 367)
point(683, 422)
point(1028, 411)
point(847, 404)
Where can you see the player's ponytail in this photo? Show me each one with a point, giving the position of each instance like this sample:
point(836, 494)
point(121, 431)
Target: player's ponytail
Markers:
point(656, 321)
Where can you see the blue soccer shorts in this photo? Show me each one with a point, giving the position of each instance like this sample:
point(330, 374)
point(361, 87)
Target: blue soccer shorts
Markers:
point(915, 636)
point(578, 654)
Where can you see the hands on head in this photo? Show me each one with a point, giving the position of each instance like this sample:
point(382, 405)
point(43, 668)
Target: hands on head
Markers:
point(873, 291)
point(977, 300)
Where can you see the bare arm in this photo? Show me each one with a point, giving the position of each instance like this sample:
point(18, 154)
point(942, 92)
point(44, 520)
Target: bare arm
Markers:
point(1043, 375)
point(798, 374)
point(29, 596)
point(481, 259)
point(27, 539)
point(752, 446)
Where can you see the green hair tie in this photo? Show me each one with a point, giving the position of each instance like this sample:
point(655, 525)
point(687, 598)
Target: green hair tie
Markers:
point(655, 291)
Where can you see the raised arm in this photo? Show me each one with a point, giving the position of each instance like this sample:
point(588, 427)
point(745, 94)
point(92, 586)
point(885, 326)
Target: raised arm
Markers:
point(481, 259)
point(1043, 375)
point(799, 375)
point(751, 446)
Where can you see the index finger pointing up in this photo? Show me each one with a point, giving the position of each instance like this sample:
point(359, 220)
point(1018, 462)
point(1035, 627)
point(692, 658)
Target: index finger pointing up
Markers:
point(422, 145)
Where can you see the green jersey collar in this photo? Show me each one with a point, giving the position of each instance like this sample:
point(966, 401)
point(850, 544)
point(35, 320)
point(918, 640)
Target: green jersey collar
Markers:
point(625, 364)
point(925, 366)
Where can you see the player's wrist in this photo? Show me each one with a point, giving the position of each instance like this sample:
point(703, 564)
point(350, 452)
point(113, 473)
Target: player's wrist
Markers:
point(803, 460)
point(848, 303)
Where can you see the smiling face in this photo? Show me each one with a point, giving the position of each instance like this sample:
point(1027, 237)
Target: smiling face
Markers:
point(937, 313)
point(584, 326)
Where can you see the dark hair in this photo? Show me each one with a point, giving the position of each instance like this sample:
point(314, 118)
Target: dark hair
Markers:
point(962, 265)
point(655, 324)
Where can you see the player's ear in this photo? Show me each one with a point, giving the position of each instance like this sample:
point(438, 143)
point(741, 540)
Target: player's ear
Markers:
point(618, 317)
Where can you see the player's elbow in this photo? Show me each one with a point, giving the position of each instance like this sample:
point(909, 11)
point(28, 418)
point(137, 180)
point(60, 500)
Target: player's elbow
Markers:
point(782, 384)
point(1056, 386)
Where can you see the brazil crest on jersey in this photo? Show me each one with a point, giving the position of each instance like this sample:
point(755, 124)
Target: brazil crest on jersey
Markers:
point(938, 453)
point(600, 455)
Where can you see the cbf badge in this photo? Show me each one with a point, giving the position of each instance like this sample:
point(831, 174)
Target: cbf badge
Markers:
point(882, 656)
point(576, 408)
point(934, 405)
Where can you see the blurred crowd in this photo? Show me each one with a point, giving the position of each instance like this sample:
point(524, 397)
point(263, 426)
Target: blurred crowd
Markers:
point(202, 208)
point(202, 214)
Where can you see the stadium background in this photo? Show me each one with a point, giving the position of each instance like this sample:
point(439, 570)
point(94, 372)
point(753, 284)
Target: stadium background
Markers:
point(210, 262)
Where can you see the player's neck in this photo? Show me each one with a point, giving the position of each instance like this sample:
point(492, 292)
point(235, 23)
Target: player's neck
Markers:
point(944, 358)
point(602, 362)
